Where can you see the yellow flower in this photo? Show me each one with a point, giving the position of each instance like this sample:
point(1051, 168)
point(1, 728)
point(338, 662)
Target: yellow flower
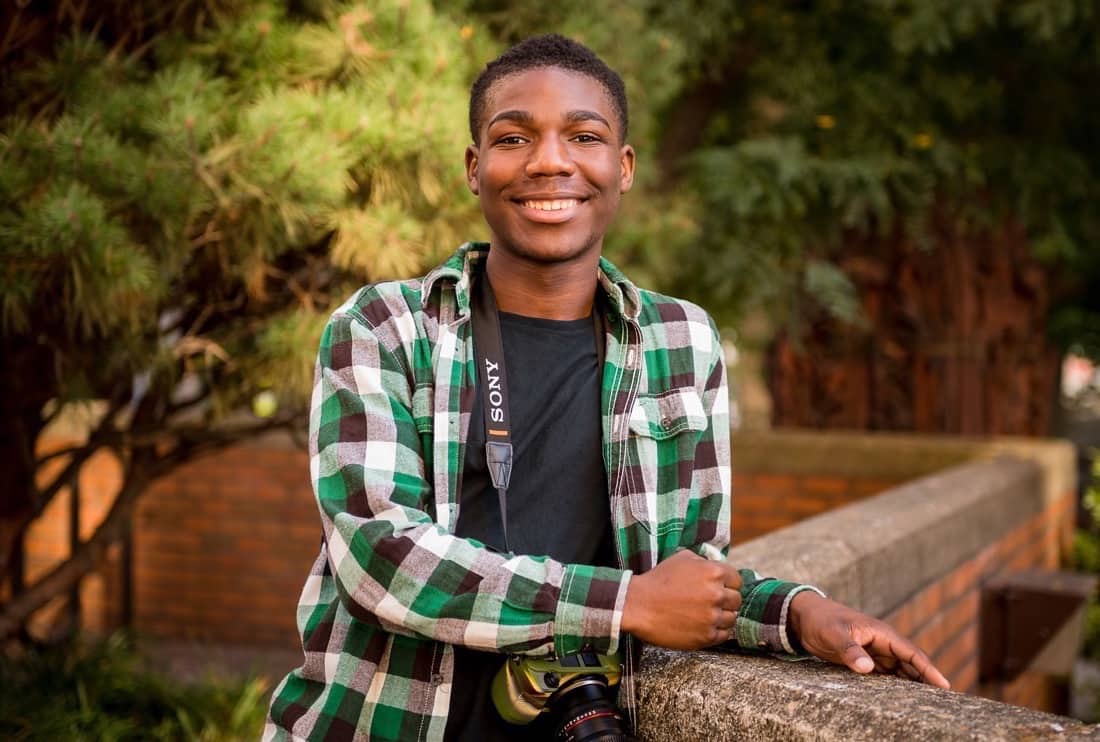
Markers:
point(824, 121)
point(467, 32)
point(923, 140)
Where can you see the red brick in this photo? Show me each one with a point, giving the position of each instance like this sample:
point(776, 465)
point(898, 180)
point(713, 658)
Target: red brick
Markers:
point(761, 523)
point(966, 679)
point(1012, 541)
point(835, 486)
point(780, 484)
point(741, 483)
point(987, 561)
point(741, 535)
point(756, 502)
point(927, 603)
point(802, 507)
point(902, 619)
point(962, 579)
point(931, 636)
point(962, 613)
point(957, 653)
point(1028, 556)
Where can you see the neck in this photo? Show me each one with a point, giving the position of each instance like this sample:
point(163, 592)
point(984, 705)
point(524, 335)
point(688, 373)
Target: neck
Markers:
point(560, 291)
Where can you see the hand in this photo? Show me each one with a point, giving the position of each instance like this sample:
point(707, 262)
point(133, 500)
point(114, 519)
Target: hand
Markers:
point(685, 602)
point(840, 634)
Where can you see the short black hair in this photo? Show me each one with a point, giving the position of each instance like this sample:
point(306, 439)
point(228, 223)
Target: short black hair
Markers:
point(550, 50)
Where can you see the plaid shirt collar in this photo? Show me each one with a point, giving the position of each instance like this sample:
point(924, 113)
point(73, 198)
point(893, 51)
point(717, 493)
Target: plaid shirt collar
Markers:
point(623, 297)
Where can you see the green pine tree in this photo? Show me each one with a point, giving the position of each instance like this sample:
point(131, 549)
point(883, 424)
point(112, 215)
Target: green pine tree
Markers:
point(186, 193)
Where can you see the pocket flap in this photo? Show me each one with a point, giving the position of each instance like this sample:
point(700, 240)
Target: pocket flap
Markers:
point(670, 413)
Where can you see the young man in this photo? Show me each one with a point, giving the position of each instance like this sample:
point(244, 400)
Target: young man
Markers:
point(617, 513)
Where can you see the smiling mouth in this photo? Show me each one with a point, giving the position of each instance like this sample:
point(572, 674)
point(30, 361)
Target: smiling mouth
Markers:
point(558, 204)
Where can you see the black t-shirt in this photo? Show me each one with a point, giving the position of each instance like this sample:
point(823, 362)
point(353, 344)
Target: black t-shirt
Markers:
point(557, 497)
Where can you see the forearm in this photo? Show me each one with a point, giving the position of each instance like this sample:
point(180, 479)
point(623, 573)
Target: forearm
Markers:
point(416, 578)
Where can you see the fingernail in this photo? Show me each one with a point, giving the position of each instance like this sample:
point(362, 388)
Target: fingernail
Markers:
point(864, 664)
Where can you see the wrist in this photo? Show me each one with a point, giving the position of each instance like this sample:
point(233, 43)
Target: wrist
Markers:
point(801, 605)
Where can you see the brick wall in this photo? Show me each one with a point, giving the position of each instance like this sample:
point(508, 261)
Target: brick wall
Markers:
point(943, 617)
point(767, 501)
point(221, 548)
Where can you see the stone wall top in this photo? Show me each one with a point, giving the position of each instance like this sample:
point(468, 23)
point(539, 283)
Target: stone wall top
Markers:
point(711, 695)
point(874, 553)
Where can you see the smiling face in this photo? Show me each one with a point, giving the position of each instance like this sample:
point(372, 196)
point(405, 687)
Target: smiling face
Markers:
point(549, 166)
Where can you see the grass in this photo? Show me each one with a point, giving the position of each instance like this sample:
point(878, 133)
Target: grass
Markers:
point(101, 691)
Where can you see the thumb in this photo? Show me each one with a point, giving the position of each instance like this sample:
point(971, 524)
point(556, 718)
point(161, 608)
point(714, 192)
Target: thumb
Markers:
point(857, 659)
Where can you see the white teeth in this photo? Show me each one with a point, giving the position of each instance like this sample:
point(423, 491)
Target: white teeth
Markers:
point(555, 205)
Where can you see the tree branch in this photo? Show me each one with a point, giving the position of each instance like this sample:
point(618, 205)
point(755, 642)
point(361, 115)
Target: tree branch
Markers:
point(86, 558)
point(144, 468)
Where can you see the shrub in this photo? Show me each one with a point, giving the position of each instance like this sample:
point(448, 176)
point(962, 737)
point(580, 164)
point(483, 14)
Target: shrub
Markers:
point(1086, 553)
point(102, 691)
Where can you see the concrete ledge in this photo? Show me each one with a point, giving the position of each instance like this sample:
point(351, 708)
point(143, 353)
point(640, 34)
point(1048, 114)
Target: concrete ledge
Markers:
point(875, 553)
point(716, 696)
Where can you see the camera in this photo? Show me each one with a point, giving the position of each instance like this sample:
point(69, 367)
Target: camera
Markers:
point(575, 690)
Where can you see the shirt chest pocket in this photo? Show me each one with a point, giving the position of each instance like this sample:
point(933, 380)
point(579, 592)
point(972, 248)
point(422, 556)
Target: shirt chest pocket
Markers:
point(665, 429)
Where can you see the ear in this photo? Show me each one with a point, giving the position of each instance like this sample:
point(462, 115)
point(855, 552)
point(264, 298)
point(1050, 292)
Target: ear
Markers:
point(626, 168)
point(471, 168)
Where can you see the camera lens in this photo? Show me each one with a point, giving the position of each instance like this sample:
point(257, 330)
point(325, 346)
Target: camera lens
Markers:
point(585, 713)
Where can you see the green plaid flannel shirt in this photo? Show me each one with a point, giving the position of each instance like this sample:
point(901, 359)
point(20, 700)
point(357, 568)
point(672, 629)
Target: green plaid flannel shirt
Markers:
point(393, 589)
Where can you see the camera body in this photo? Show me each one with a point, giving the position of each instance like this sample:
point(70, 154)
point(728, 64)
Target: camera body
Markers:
point(575, 690)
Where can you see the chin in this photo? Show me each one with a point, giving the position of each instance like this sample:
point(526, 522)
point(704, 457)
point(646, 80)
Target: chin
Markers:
point(552, 250)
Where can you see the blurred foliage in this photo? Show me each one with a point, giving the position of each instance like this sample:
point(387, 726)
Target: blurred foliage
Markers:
point(198, 167)
point(186, 191)
point(1086, 557)
point(192, 178)
point(100, 691)
point(842, 119)
point(770, 134)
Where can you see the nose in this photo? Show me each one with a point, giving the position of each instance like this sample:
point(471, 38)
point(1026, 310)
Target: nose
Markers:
point(550, 156)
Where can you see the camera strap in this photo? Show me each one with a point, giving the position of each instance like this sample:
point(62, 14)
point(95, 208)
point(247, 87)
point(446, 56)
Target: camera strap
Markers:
point(489, 354)
point(489, 351)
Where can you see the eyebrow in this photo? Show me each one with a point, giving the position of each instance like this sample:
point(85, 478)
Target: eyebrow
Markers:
point(525, 117)
point(575, 116)
point(520, 117)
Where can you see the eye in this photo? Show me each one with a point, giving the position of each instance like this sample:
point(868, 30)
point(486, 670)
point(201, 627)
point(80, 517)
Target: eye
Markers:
point(511, 140)
point(587, 138)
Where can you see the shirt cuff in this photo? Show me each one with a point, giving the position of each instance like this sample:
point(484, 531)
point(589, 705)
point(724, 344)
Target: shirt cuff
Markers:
point(761, 623)
point(590, 609)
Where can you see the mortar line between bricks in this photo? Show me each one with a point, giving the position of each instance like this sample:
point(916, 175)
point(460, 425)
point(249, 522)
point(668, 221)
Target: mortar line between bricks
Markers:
point(945, 606)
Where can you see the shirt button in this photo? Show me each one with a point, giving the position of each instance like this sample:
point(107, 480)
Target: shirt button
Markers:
point(437, 678)
point(666, 422)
